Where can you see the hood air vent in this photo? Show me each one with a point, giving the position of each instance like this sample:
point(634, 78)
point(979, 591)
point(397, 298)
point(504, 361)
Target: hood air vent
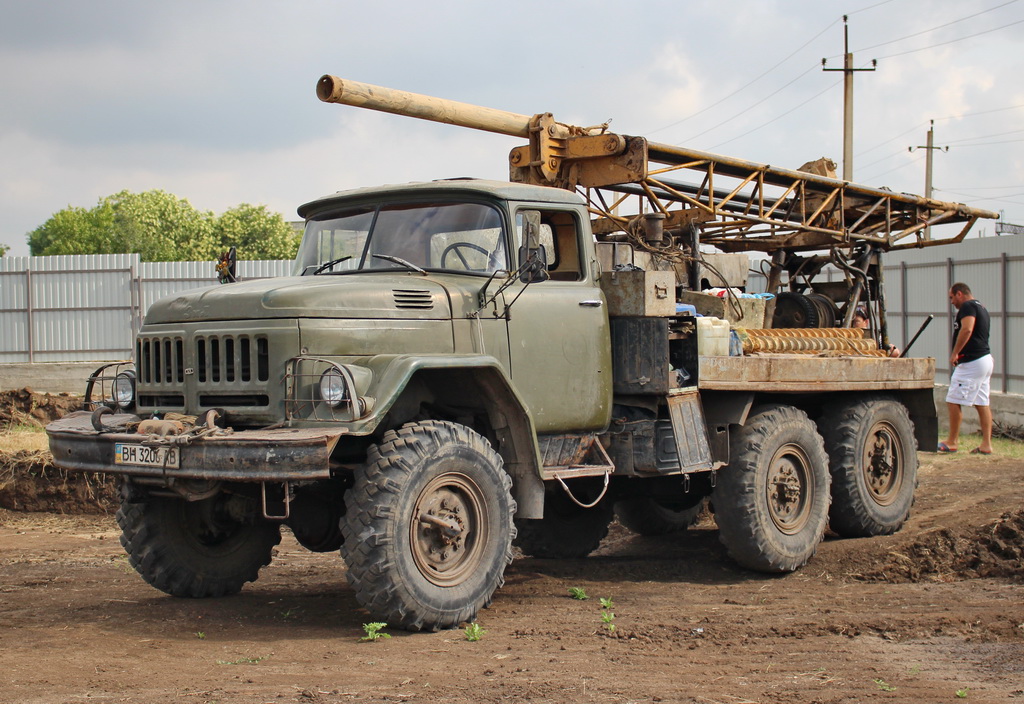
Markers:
point(413, 298)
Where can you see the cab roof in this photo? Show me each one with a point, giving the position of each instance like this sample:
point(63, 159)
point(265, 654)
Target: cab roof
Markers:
point(501, 190)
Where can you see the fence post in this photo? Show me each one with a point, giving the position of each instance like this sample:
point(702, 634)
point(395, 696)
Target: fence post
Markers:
point(28, 312)
point(1003, 266)
point(903, 303)
point(135, 303)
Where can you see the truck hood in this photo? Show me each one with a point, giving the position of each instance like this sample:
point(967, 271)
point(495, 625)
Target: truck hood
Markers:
point(366, 295)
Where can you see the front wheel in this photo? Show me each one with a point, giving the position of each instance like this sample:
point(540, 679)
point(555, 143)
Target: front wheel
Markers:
point(196, 549)
point(771, 502)
point(428, 526)
point(873, 460)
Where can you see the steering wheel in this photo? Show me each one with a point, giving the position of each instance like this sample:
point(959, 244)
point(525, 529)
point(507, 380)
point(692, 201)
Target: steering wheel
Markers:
point(455, 246)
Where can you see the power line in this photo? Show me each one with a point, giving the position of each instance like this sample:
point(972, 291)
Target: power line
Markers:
point(985, 144)
point(747, 109)
point(937, 119)
point(983, 188)
point(901, 152)
point(870, 7)
point(882, 144)
point(897, 168)
point(997, 199)
point(817, 95)
point(951, 41)
point(984, 136)
point(941, 26)
point(747, 85)
point(980, 112)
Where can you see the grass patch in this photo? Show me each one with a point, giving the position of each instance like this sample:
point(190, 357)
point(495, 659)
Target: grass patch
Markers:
point(1001, 447)
point(20, 438)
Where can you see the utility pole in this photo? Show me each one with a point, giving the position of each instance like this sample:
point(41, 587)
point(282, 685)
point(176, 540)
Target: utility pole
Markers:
point(848, 71)
point(930, 146)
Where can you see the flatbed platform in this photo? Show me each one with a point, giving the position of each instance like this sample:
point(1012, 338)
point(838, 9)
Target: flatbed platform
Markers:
point(801, 373)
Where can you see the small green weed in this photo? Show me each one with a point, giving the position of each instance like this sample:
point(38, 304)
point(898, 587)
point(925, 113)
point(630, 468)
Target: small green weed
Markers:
point(200, 635)
point(373, 631)
point(607, 615)
point(883, 685)
point(962, 693)
point(474, 632)
point(578, 593)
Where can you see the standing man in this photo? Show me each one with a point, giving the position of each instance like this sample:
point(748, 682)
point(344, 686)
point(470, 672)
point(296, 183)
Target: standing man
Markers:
point(971, 362)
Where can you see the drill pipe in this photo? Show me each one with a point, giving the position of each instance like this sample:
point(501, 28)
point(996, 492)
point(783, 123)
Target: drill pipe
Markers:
point(848, 340)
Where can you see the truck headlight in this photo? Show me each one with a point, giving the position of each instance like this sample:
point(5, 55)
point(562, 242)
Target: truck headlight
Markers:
point(333, 387)
point(124, 390)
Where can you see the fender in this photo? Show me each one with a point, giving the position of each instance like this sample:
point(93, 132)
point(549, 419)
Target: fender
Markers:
point(399, 383)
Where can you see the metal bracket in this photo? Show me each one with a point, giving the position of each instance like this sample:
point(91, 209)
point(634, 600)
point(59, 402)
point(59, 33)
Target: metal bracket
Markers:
point(287, 502)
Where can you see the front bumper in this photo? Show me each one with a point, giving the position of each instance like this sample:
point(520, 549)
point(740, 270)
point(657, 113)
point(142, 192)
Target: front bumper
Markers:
point(279, 454)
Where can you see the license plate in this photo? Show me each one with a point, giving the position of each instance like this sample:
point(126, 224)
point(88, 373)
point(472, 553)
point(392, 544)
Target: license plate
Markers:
point(146, 456)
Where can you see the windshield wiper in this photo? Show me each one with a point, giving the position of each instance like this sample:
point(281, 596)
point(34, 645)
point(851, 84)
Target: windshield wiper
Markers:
point(398, 260)
point(331, 264)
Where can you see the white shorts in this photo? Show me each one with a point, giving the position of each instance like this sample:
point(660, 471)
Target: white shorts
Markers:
point(969, 385)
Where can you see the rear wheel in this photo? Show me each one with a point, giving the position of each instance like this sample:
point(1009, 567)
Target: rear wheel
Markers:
point(647, 516)
point(428, 526)
point(197, 549)
point(873, 461)
point(771, 502)
point(567, 530)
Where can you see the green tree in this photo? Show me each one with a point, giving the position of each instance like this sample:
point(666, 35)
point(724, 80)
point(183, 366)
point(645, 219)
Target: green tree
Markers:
point(4, 249)
point(256, 233)
point(160, 226)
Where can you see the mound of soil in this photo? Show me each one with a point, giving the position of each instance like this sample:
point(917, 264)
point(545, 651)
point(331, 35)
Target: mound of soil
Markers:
point(30, 482)
point(27, 407)
point(945, 555)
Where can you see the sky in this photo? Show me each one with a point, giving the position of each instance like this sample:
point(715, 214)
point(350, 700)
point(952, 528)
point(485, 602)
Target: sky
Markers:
point(215, 101)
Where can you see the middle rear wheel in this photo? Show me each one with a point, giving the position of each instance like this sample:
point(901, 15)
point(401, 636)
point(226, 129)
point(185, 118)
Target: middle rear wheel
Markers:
point(771, 502)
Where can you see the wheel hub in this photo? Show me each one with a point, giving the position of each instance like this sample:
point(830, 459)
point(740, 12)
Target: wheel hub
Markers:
point(787, 489)
point(882, 463)
point(448, 529)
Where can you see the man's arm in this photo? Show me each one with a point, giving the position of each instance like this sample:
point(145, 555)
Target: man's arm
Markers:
point(966, 330)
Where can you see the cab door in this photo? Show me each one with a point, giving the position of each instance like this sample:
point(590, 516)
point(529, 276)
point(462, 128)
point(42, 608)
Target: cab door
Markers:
point(559, 336)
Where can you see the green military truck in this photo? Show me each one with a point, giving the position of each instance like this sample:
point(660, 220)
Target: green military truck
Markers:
point(461, 366)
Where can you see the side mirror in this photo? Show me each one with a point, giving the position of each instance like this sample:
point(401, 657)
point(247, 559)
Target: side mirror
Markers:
point(226, 267)
point(533, 258)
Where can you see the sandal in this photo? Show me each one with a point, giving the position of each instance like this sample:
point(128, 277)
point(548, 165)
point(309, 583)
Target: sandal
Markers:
point(945, 449)
point(979, 451)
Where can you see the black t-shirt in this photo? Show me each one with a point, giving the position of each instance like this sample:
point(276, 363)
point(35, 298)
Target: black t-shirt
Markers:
point(977, 345)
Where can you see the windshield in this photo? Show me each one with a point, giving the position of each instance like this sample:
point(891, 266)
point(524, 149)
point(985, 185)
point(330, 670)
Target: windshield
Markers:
point(462, 237)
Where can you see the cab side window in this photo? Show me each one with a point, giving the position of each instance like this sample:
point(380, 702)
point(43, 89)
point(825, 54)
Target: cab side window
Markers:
point(559, 236)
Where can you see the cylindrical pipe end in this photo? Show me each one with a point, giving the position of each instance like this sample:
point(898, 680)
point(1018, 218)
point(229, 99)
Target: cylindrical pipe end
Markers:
point(329, 88)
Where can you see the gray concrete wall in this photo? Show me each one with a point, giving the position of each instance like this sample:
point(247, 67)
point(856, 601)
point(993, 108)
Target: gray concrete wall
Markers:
point(50, 377)
point(1006, 408)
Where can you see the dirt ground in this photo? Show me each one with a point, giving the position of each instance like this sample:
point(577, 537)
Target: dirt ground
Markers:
point(932, 614)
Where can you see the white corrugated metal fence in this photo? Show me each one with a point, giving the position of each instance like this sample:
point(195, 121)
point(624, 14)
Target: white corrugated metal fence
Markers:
point(88, 307)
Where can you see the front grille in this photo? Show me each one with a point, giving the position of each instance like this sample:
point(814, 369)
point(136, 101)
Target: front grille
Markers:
point(161, 360)
point(220, 370)
point(231, 358)
point(413, 298)
point(236, 400)
point(162, 400)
